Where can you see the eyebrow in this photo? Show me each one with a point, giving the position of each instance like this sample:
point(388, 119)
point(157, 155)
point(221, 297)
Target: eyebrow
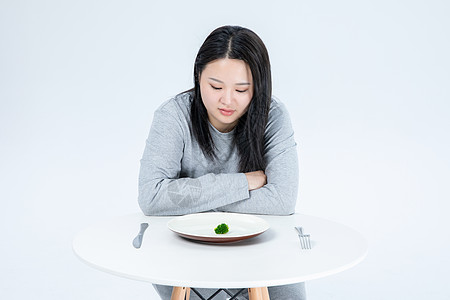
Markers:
point(240, 83)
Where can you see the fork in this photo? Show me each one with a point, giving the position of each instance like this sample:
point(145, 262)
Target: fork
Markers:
point(305, 240)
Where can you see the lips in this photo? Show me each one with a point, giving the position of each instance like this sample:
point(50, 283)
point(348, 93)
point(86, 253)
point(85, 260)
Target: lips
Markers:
point(226, 112)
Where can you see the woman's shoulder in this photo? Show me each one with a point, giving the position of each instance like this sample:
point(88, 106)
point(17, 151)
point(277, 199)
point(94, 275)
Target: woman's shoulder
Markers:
point(277, 109)
point(181, 101)
point(178, 106)
point(279, 121)
point(174, 113)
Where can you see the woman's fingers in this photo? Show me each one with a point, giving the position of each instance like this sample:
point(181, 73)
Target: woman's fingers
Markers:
point(256, 179)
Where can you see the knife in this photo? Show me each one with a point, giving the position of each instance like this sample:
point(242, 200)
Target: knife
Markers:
point(137, 242)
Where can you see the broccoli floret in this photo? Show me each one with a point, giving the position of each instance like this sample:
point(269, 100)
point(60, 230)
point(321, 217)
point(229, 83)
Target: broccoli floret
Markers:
point(221, 229)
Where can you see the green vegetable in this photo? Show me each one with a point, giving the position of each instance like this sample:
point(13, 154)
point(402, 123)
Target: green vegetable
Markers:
point(221, 229)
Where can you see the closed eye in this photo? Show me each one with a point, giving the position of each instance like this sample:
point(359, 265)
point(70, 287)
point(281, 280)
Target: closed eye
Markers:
point(216, 88)
point(241, 91)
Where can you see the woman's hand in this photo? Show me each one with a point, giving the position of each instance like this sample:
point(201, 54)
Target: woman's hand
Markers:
point(256, 179)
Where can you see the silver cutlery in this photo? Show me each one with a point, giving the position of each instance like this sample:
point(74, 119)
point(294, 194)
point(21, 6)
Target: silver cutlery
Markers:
point(305, 240)
point(137, 242)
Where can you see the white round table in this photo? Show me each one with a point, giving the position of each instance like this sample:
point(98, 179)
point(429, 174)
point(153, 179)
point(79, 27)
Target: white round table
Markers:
point(270, 259)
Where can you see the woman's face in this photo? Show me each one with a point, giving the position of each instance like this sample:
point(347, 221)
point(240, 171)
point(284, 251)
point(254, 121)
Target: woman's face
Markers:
point(226, 88)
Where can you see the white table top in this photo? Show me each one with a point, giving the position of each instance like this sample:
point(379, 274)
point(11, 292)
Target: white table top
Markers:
point(272, 258)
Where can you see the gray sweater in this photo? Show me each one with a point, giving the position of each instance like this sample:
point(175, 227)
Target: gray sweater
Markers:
point(176, 178)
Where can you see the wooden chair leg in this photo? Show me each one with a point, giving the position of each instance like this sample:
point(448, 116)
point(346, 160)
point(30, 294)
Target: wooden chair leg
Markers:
point(258, 293)
point(179, 293)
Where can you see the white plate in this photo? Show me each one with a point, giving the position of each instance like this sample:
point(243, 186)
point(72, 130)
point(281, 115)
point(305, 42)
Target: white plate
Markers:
point(201, 226)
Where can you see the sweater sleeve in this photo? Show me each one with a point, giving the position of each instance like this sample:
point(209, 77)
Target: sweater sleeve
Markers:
point(279, 195)
point(163, 192)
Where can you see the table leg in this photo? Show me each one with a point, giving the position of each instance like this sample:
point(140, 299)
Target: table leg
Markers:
point(179, 293)
point(265, 293)
point(258, 293)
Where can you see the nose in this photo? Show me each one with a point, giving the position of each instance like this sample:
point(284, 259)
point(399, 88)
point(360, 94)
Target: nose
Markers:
point(226, 98)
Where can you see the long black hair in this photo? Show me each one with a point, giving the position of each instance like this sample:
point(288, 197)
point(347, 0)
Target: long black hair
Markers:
point(235, 42)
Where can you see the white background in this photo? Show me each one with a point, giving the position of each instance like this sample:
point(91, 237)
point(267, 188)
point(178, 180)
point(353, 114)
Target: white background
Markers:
point(366, 83)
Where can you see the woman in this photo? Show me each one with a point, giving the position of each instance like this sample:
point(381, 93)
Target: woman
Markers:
point(226, 145)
